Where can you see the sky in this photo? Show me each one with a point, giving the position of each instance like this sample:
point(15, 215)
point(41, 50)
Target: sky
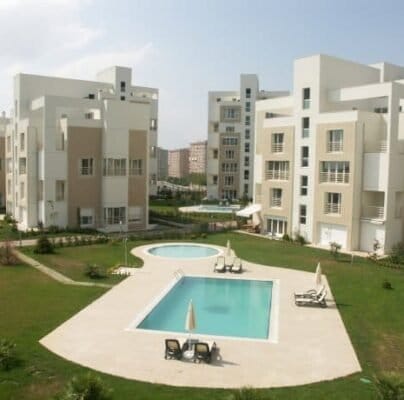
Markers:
point(186, 48)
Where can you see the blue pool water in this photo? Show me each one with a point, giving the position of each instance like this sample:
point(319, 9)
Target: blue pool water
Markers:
point(220, 209)
point(183, 251)
point(223, 307)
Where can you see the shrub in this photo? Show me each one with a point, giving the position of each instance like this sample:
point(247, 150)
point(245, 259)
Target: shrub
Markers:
point(334, 249)
point(86, 387)
point(286, 238)
point(397, 253)
point(300, 239)
point(247, 393)
point(8, 356)
point(53, 229)
point(94, 271)
point(387, 285)
point(390, 386)
point(43, 246)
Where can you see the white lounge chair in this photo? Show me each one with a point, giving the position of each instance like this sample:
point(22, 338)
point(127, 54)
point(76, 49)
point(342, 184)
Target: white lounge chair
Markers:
point(312, 301)
point(237, 266)
point(220, 265)
point(311, 293)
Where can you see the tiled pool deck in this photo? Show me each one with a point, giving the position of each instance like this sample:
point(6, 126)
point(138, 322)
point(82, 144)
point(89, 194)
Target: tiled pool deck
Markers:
point(312, 344)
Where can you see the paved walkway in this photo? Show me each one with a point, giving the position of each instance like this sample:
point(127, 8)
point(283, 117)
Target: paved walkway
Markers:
point(309, 344)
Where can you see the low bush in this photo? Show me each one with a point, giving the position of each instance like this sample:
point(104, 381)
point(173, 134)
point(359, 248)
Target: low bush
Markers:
point(94, 271)
point(43, 246)
point(390, 386)
point(334, 249)
point(8, 355)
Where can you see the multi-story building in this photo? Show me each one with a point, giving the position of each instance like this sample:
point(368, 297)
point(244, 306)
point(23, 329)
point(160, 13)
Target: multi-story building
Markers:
point(178, 163)
point(81, 153)
point(330, 156)
point(197, 157)
point(4, 121)
point(230, 150)
point(162, 164)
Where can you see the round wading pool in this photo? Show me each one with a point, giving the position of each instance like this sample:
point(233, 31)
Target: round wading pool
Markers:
point(183, 250)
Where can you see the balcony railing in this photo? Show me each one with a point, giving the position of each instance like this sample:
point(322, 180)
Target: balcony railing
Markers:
point(334, 177)
point(306, 104)
point(276, 202)
point(277, 147)
point(335, 147)
point(373, 212)
point(332, 208)
point(277, 175)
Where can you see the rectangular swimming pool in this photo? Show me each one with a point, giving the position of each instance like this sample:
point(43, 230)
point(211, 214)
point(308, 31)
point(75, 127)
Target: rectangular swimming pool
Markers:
point(223, 307)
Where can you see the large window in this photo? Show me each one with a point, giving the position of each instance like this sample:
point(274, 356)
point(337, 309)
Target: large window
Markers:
point(247, 134)
point(334, 171)
point(302, 214)
point(86, 166)
point(335, 140)
point(247, 106)
point(305, 156)
point(231, 113)
point(229, 128)
point(60, 190)
point(247, 120)
point(276, 197)
point(114, 166)
point(246, 147)
point(246, 161)
point(230, 154)
point(229, 141)
point(248, 93)
point(114, 215)
point(277, 226)
point(228, 180)
point(277, 170)
point(333, 203)
point(304, 184)
point(246, 174)
point(229, 167)
point(306, 98)
point(136, 167)
point(305, 127)
point(277, 142)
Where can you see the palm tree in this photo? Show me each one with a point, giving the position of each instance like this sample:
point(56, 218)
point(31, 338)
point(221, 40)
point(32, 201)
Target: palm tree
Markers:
point(86, 387)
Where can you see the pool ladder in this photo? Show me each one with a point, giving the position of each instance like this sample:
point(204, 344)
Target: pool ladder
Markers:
point(179, 273)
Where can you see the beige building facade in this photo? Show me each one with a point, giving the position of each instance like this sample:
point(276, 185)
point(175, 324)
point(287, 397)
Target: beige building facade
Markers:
point(178, 163)
point(329, 157)
point(197, 157)
point(82, 153)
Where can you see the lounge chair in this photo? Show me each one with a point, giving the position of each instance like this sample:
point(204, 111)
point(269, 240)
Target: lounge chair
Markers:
point(204, 351)
point(220, 265)
point(312, 301)
point(174, 349)
point(311, 293)
point(237, 266)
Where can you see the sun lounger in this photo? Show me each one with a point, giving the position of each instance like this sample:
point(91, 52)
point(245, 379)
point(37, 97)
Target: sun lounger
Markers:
point(237, 266)
point(204, 351)
point(174, 349)
point(220, 265)
point(311, 293)
point(312, 301)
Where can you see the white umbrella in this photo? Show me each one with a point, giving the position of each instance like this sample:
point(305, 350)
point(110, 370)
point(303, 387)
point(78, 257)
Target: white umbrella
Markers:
point(190, 320)
point(228, 251)
point(318, 275)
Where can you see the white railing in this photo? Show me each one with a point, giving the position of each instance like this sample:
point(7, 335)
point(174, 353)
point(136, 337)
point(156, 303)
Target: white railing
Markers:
point(276, 202)
point(335, 146)
point(373, 212)
point(305, 132)
point(277, 175)
point(334, 177)
point(332, 208)
point(86, 170)
point(277, 147)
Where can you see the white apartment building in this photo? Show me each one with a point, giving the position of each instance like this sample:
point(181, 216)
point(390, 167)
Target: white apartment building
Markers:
point(330, 156)
point(4, 121)
point(82, 153)
point(230, 150)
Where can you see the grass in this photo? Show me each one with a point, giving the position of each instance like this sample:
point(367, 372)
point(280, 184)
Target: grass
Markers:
point(32, 305)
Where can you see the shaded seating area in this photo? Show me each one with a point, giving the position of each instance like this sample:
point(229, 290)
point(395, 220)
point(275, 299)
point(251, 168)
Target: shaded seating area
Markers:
point(190, 350)
point(312, 301)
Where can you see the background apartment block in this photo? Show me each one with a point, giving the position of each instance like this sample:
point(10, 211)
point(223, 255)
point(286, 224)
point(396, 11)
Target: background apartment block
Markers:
point(178, 163)
point(81, 153)
point(162, 164)
point(330, 157)
point(231, 143)
point(4, 121)
point(197, 157)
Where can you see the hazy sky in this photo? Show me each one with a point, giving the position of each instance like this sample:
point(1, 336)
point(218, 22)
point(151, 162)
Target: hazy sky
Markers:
point(186, 48)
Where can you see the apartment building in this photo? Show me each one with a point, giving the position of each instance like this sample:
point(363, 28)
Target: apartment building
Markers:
point(231, 141)
point(330, 156)
point(4, 121)
point(197, 157)
point(178, 163)
point(82, 153)
point(162, 164)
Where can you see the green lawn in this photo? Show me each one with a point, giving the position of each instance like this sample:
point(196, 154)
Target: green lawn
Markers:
point(31, 305)
point(72, 261)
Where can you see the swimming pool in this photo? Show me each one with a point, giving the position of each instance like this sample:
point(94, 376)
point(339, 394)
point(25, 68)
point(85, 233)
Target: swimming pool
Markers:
point(223, 307)
point(210, 209)
point(183, 250)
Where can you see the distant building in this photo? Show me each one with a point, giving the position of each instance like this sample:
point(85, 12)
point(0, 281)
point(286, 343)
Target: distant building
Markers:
point(178, 163)
point(162, 163)
point(3, 125)
point(197, 157)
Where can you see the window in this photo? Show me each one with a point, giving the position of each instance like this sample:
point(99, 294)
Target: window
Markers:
point(136, 167)
point(60, 190)
point(229, 167)
point(305, 156)
point(304, 183)
point(230, 141)
point(302, 214)
point(306, 127)
point(9, 165)
point(276, 197)
point(247, 120)
point(246, 147)
point(215, 127)
point(277, 226)
point(277, 142)
point(153, 151)
point(91, 96)
point(269, 115)
point(86, 216)
point(247, 134)
point(306, 98)
point(247, 106)
point(22, 190)
point(229, 194)
point(86, 166)
point(22, 166)
point(334, 172)
point(246, 161)
point(215, 179)
point(231, 113)
point(123, 86)
point(246, 174)
point(228, 180)
point(123, 98)
point(333, 203)
point(89, 115)
point(246, 188)
point(153, 124)
point(248, 93)
point(22, 141)
point(229, 128)
point(114, 215)
point(277, 170)
point(114, 167)
point(215, 154)
point(335, 140)
point(135, 215)
point(229, 154)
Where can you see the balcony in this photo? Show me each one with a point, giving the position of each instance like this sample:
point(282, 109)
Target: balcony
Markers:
point(277, 147)
point(276, 202)
point(332, 208)
point(277, 175)
point(305, 133)
point(334, 177)
point(335, 147)
point(373, 212)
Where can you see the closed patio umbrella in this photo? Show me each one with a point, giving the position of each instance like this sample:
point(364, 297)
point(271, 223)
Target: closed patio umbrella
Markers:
point(318, 275)
point(190, 320)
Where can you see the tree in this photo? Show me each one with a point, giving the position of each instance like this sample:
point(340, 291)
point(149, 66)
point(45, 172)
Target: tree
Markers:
point(43, 246)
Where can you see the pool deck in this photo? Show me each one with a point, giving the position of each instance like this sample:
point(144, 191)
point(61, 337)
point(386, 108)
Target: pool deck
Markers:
point(312, 344)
